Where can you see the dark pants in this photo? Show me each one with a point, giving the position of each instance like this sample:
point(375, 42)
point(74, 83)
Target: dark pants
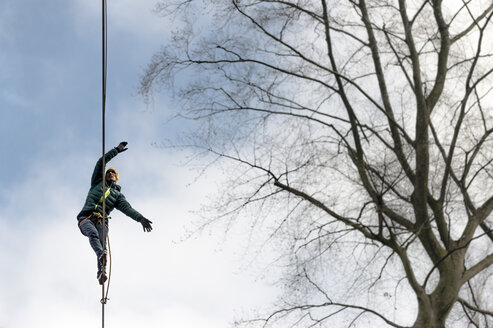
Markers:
point(92, 228)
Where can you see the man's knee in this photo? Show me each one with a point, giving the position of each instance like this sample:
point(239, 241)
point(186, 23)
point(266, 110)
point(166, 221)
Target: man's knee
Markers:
point(88, 229)
point(93, 234)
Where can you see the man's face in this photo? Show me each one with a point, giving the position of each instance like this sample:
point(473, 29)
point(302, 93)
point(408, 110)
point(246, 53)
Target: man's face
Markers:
point(111, 176)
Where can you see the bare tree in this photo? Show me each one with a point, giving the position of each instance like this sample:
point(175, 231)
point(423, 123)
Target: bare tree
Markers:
point(361, 132)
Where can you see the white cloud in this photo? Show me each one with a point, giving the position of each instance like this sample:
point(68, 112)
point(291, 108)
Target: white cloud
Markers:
point(126, 16)
point(14, 100)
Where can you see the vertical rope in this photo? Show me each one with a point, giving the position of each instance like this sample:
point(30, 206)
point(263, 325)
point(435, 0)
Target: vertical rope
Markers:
point(103, 66)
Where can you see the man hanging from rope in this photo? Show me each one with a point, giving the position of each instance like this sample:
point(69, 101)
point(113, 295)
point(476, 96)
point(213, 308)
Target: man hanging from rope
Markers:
point(90, 217)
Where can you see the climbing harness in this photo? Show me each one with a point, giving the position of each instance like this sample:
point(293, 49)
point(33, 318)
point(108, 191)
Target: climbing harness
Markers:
point(100, 217)
point(106, 194)
point(86, 218)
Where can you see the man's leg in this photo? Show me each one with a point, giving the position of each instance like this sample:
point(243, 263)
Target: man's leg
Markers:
point(103, 236)
point(89, 230)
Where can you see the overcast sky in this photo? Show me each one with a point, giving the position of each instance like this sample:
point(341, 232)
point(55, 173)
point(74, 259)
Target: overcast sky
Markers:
point(50, 139)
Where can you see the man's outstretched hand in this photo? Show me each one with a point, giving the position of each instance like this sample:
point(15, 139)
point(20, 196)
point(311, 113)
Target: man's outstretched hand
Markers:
point(121, 146)
point(146, 224)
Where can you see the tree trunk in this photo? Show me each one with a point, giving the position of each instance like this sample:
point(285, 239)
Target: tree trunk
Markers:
point(433, 309)
point(427, 316)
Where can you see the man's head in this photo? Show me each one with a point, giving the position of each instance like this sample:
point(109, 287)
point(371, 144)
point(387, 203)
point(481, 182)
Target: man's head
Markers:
point(111, 175)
